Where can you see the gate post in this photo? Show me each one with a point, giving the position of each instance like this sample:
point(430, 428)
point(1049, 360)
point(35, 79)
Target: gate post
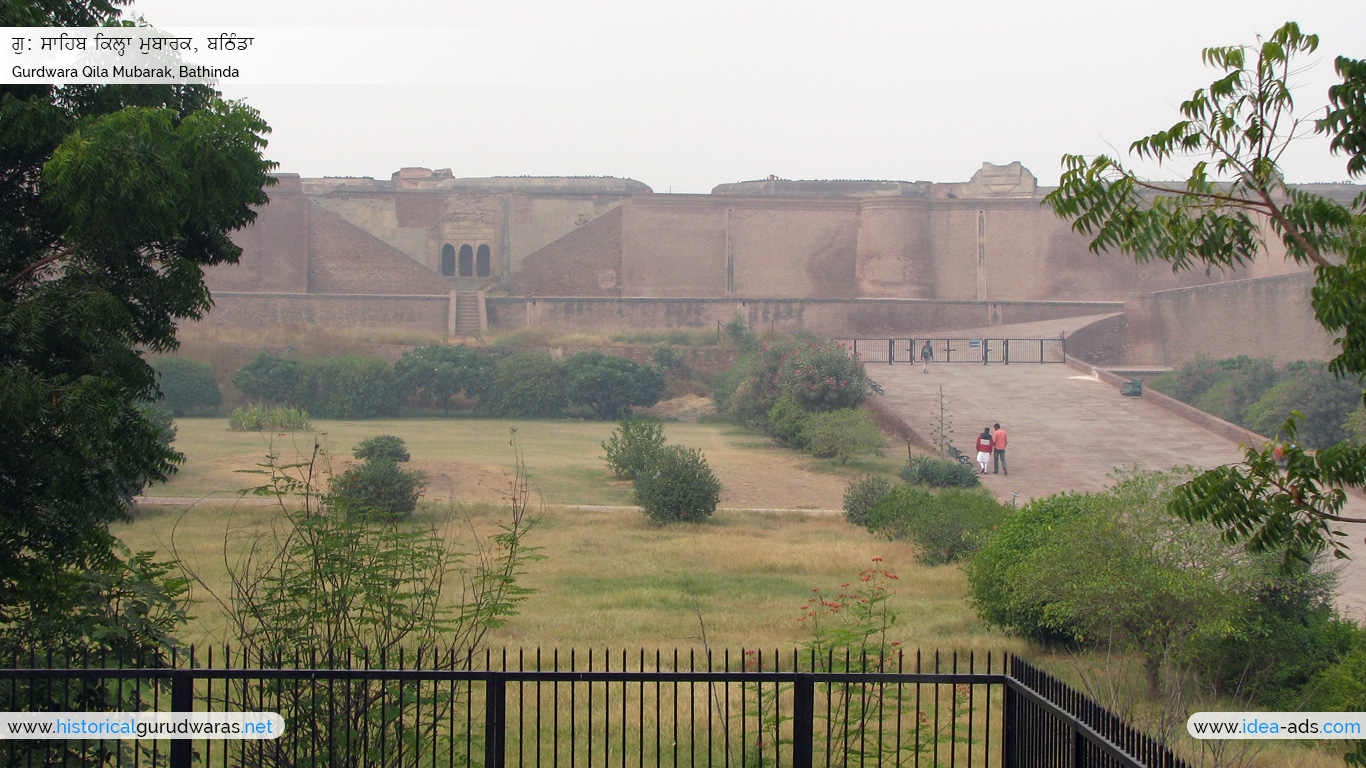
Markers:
point(803, 721)
point(182, 700)
point(495, 721)
point(891, 355)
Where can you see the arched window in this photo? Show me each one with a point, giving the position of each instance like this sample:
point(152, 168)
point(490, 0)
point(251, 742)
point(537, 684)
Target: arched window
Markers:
point(466, 261)
point(448, 260)
point(481, 262)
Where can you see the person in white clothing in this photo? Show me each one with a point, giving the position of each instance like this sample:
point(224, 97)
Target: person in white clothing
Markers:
point(984, 449)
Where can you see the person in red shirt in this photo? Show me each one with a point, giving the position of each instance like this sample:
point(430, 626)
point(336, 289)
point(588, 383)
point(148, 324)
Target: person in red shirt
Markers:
point(984, 448)
point(998, 444)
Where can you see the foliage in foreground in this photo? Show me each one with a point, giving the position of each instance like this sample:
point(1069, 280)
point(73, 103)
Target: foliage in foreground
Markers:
point(323, 578)
point(1234, 132)
point(1115, 570)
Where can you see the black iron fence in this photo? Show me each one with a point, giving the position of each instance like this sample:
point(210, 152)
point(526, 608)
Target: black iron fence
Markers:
point(623, 708)
point(964, 350)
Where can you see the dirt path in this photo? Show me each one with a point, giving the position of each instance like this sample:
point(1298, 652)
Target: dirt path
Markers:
point(1067, 430)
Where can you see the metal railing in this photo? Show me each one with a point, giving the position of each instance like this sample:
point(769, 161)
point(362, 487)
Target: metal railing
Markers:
point(619, 708)
point(957, 350)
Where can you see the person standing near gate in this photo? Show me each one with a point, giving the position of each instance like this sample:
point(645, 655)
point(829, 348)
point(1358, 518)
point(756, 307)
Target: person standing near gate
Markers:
point(927, 354)
point(998, 445)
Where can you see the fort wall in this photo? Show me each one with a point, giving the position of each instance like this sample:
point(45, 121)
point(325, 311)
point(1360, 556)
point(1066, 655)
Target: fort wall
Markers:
point(1267, 317)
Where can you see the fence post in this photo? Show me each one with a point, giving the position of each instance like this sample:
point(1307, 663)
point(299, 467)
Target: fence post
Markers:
point(495, 721)
point(803, 721)
point(182, 700)
point(1005, 350)
point(890, 354)
point(1078, 749)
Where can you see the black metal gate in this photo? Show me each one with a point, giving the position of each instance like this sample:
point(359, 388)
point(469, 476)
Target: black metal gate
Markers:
point(957, 350)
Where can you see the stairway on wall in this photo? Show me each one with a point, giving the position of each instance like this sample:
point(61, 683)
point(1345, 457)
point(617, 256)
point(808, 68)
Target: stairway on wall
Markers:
point(467, 313)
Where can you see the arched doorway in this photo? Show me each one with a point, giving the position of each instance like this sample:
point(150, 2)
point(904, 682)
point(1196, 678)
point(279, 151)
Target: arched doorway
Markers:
point(466, 261)
point(481, 262)
point(448, 260)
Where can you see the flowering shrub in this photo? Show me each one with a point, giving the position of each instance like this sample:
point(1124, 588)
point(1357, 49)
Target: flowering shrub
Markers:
point(822, 377)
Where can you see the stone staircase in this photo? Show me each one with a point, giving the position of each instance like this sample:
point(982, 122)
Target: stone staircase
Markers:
point(469, 315)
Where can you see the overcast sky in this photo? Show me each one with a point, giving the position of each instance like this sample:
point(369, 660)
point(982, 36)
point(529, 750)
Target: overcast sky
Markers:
point(700, 93)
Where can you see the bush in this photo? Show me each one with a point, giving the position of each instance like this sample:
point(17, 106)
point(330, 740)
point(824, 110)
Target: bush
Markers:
point(946, 527)
point(992, 572)
point(526, 384)
point(1342, 686)
point(349, 387)
point(376, 488)
point(186, 385)
point(610, 385)
point(1285, 634)
point(382, 448)
point(681, 487)
point(276, 380)
point(1320, 396)
point(786, 421)
point(841, 434)
point(667, 358)
point(264, 418)
point(862, 495)
point(438, 372)
point(939, 473)
point(160, 417)
point(633, 446)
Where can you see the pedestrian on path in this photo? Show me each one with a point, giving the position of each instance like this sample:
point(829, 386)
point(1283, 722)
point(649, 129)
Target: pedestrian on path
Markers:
point(998, 444)
point(927, 354)
point(984, 447)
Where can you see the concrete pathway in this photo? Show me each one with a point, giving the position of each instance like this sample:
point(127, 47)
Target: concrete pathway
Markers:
point(1068, 430)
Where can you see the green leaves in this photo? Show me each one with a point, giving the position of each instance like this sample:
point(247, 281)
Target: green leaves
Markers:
point(1239, 126)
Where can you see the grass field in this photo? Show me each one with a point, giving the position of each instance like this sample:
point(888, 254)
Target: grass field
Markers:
point(469, 460)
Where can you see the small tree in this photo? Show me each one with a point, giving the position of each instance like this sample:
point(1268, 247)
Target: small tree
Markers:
point(526, 384)
point(382, 448)
point(377, 488)
point(842, 434)
point(438, 372)
point(349, 387)
point(681, 487)
point(611, 385)
point(633, 447)
point(942, 426)
point(270, 378)
point(186, 385)
point(862, 495)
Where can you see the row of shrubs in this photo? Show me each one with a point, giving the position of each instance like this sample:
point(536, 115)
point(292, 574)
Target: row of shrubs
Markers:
point(1259, 395)
point(499, 382)
point(1116, 569)
point(672, 483)
point(804, 393)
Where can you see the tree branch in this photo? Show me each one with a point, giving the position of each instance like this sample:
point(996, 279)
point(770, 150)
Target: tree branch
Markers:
point(39, 264)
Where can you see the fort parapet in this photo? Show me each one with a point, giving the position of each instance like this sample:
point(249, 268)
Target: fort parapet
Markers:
point(838, 257)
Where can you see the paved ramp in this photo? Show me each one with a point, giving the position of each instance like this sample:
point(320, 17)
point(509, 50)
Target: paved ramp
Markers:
point(1067, 431)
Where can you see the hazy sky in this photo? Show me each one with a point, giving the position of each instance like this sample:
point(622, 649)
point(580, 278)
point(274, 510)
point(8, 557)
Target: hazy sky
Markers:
point(699, 93)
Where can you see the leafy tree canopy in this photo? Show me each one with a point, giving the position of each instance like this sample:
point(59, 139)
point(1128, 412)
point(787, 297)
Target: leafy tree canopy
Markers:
point(1234, 132)
point(112, 201)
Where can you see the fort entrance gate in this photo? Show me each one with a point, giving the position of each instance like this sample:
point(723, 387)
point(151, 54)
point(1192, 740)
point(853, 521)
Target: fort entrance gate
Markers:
point(962, 350)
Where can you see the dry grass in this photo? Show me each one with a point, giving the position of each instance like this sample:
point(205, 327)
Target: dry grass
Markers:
point(612, 578)
point(469, 460)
